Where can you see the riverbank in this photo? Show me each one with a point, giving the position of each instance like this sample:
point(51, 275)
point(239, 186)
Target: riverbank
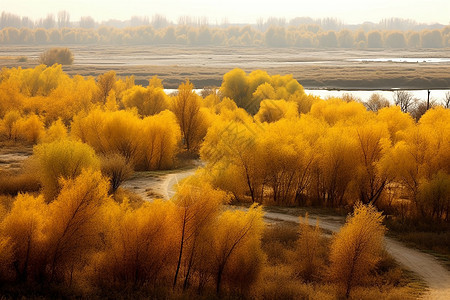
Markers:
point(205, 67)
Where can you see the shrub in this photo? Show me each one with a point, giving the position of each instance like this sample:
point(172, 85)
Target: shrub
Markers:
point(357, 247)
point(311, 252)
point(22, 59)
point(117, 169)
point(53, 56)
point(62, 159)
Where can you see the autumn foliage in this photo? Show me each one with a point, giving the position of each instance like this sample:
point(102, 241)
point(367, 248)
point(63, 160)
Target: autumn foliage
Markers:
point(262, 140)
point(356, 249)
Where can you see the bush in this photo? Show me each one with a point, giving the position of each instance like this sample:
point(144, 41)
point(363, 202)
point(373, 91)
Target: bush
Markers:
point(53, 56)
point(62, 159)
point(116, 168)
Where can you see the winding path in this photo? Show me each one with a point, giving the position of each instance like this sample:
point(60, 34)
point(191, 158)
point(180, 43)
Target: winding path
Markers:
point(426, 266)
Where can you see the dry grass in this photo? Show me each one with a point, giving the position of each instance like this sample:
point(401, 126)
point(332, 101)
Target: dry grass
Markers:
point(12, 184)
point(279, 241)
point(433, 238)
point(135, 200)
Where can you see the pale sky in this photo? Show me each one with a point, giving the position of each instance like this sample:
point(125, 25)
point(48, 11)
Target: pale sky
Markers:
point(238, 11)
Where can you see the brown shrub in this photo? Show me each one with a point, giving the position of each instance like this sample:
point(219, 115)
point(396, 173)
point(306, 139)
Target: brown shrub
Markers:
point(311, 252)
point(53, 56)
point(278, 243)
point(116, 168)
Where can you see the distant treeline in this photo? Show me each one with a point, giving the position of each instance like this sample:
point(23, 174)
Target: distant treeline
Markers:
point(63, 19)
point(304, 36)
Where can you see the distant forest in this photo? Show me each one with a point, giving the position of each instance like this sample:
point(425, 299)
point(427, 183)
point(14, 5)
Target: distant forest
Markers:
point(273, 32)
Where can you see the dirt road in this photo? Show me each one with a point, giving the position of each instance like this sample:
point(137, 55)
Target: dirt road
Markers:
point(152, 185)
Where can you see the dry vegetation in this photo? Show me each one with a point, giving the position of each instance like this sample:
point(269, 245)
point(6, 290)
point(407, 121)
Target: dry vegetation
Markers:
point(66, 226)
point(53, 56)
point(298, 266)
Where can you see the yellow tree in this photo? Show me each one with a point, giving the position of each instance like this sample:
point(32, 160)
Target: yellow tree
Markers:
point(287, 160)
point(197, 206)
point(395, 120)
point(148, 101)
point(120, 133)
point(356, 248)
point(73, 229)
point(56, 131)
point(193, 122)
point(274, 110)
point(23, 226)
point(10, 94)
point(434, 197)
point(310, 251)
point(234, 142)
point(62, 159)
point(236, 87)
point(105, 83)
point(160, 137)
point(116, 168)
point(9, 124)
point(421, 153)
point(139, 245)
point(336, 110)
point(334, 166)
point(106, 132)
point(238, 233)
point(30, 128)
point(373, 142)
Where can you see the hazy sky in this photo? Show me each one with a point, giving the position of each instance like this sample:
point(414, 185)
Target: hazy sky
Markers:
point(236, 11)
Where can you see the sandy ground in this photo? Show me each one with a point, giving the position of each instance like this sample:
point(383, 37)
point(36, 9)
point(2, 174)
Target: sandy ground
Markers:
point(12, 158)
point(151, 185)
point(333, 68)
point(426, 266)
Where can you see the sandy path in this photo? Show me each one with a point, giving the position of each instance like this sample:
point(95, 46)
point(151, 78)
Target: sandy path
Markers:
point(172, 180)
point(150, 185)
point(426, 266)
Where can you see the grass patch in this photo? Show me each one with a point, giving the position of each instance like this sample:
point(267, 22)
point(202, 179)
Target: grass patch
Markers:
point(12, 184)
point(431, 238)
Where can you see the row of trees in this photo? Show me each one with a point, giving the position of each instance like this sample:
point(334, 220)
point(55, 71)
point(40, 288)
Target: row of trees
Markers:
point(274, 36)
point(35, 99)
point(334, 154)
point(63, 20)
point(262, 137)
point(76, 235)
point(80, 234)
